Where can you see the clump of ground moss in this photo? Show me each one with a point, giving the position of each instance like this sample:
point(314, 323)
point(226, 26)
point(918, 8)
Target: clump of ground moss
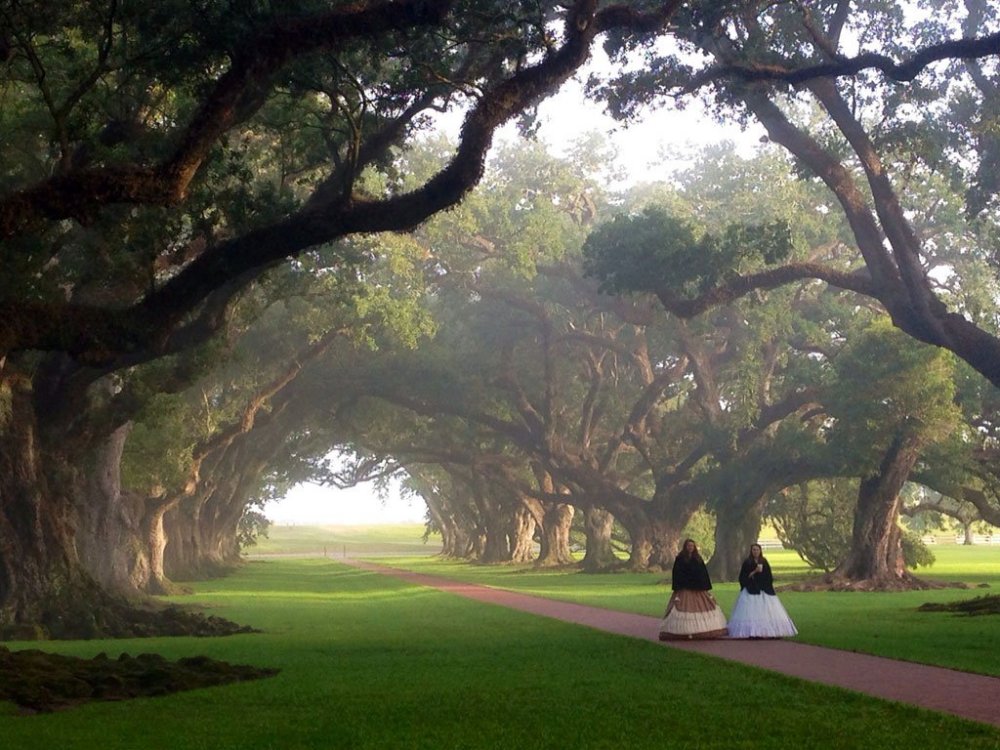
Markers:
point(119, 619)
point(981, 605)
point(38, 681)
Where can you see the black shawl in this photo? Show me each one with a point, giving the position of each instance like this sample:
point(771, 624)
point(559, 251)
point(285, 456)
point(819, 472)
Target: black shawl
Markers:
point(690, 573)
point(759, 581)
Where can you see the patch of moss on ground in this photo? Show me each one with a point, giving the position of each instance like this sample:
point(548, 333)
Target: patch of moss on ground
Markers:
point(37, 681)
point(981, 605)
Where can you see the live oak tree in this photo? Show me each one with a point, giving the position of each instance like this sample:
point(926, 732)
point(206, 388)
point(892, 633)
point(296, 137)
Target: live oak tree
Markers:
point(486, 322)
point(228, 427)
point(755, 365)
point(898, 398)
point(157, 163)
point(872, 141)
point(161, 161)
point(779, 62)
point(601, 395)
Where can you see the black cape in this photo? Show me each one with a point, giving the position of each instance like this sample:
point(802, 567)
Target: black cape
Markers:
point(690, 574)
point(762, 581)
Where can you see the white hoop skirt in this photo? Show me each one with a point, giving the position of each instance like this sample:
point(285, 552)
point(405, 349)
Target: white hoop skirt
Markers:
point(760, 616)
point(692, 614)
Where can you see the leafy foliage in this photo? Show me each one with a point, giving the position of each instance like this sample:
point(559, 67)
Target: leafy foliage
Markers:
point(815, 519)
point(655, 251)
point(253, 525)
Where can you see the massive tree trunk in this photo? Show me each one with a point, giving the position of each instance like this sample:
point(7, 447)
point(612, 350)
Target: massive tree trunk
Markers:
point(180, 532)
point(42, 582)
point(224, 510)
point(875, 560)
point(111, 538)
point(737, 526)
point(655, 541)
point(455, 538)
point(199, 526)
point(46, 478)
point(492, 545)
point(665, 542)
point(600, 555)
point(657, 529)
point(195, 548)
point(522, 536)
point(554, 520)
point(155, 535)
point(556, 524)
point(181, 541)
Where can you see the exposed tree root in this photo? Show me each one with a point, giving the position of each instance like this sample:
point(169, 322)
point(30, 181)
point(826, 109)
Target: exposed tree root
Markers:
point(37, 681)
point(981, 605)
point(907, 582)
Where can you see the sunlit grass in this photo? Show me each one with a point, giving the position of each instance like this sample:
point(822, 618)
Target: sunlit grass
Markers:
point(370, 662)
point(887, 624)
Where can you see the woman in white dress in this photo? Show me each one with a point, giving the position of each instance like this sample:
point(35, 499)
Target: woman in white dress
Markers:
point(692, 611)
point(758, 613)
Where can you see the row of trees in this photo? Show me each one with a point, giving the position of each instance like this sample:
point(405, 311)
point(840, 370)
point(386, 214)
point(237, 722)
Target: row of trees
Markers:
point(542, 396)
point(197, 306)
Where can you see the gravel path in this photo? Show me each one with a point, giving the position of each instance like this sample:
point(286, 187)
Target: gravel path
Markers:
point(970, 696)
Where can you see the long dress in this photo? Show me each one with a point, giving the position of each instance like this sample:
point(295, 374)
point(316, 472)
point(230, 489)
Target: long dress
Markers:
point(692, 611)
point(758, 613)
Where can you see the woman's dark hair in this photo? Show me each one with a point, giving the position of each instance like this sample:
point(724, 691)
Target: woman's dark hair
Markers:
point(694, 555)
point(750, 553)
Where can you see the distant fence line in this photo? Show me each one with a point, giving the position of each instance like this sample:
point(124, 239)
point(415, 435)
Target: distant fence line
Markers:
point(960, 538)
point(927, 539)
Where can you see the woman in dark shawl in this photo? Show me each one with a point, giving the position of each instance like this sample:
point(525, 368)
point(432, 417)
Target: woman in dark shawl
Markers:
point(692, 611)
point(758, 613)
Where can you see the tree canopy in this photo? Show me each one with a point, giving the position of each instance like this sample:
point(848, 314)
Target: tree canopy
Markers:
point(230, 246)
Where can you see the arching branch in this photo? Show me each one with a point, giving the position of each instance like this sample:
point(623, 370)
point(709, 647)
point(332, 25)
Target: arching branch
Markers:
point(772, 278)
point(79, 195)
point(903, 72)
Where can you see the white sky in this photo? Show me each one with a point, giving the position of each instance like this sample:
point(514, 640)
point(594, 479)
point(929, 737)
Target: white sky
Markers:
point(649, 151)
point(311, 504)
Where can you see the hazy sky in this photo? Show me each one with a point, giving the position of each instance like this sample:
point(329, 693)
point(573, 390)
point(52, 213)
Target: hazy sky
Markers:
point(649, 149)
point(312, 504)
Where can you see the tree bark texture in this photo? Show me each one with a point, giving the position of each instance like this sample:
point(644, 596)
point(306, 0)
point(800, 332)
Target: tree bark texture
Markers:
point(522, 536)
point(45, 588)
point(455, 538)
point(655, 541)
point(876, 554)
point(600, 555)
point(38, 560)
point(737, 526)
point(555, 535)
point(111, 538)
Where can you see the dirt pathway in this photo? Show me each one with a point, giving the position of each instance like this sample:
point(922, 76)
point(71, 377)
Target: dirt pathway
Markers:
point(970, 696)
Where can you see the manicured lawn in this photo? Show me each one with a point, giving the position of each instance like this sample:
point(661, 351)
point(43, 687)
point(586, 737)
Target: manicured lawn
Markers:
point(370, 662)
point(886, 624)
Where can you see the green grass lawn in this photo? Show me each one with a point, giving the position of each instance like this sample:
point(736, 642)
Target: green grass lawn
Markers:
point(883, 624)
point(371, 662)
point(886, 624)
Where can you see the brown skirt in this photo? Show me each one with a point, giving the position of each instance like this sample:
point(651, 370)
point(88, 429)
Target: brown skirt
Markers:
point(692, 614)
